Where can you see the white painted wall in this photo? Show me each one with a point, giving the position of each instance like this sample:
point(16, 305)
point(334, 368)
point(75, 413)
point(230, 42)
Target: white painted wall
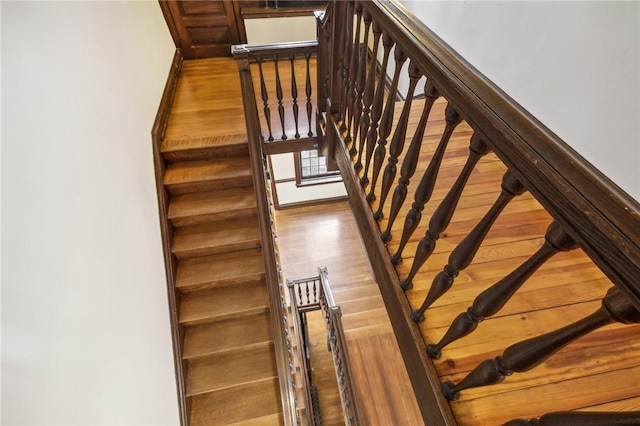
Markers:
point(85, 330)
point(280, 30)
point(573, 65)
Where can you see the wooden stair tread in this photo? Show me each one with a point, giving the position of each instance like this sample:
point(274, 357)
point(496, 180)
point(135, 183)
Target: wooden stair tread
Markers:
point(232, 368)
point(191, 176)
point(224, 302)
point(219, 269)
point(194, 208)
point(236, 404)
point(218, 336)
point(223, 236)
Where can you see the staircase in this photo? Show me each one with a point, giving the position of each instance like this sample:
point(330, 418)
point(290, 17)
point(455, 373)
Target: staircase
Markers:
point(222, 305)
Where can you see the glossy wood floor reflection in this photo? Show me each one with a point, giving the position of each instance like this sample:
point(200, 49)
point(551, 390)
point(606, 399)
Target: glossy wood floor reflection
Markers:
point(325, 235)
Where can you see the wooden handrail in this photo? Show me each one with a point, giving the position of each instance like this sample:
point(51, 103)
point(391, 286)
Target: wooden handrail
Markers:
point(272, 275)
point(351, 406)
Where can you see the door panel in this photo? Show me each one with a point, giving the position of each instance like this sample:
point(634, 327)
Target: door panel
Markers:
point(203, 28)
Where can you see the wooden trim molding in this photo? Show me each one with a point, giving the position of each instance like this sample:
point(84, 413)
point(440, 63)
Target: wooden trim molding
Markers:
point(166, 229)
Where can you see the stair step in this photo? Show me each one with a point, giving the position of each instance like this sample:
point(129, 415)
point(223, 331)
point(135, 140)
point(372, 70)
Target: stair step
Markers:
point(270, 420)
point(232, 368)
point(224, 302)
point(207, 175)
point(218, 336)
point(216, 237)
point(202, 207)
point(237, 404)
point(220, 269)
point(204, 148)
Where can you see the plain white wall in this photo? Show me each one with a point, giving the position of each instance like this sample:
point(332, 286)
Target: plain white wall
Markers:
point(280, 30)
point(85, 326)
point(573, 65)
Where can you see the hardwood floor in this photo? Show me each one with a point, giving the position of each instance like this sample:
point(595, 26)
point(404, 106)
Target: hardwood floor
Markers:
point(325, 235)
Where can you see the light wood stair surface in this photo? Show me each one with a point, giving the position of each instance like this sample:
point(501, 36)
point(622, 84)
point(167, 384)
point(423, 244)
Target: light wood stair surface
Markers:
point(223, 304)
point(235, 235)
point(207, 175)
point(203, 207)
point(220, 269)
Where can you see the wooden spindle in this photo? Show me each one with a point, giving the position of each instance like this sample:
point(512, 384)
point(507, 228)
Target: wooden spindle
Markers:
point(444, 212)
point(306, 287)
point(294, 94)
point(346, 63)
point(279, 95)
point(343, 63)
point(525, 355)
point(351, 50)
point(411, 159)
point(464, 252)
point(490, 301)
point(582, 418)
point(354, 102)
point(387, 117)
point(368, 96)
point(427, 182)
point(265, 99)
point(376, 109)
point(307, 57)
point(395, 148)
point(361, 107)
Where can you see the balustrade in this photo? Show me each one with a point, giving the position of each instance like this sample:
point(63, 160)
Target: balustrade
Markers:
point(462, 134)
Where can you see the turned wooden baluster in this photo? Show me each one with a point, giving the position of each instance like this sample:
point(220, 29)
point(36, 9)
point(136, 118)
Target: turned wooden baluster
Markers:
point(352, 100)
point(279, 95)
point(363, 102)
point(581, 418)
point(490, 301)
point(294, 94)
point(345, 58)
point(376, 109)
point(307, 57)
point(410, 161)
point(464, 252)
point(368, 96)
point(265, 99)
point(428, 181)
point(350, 58)
point(444, 212)
point(396, 147)
point(387, 118)
point(343, 63)
point(525, 355)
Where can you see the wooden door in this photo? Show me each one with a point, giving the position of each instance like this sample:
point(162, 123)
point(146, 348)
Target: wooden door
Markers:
point(204, 28)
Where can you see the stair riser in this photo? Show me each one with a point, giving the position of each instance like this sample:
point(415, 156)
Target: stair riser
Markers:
point(205, 251)
point(206, 153)
point(224, 282)
point(212, 217)
point(224, 317)
point(209, 185)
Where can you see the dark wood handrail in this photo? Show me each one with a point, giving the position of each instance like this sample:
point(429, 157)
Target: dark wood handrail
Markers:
point(598, 215)
point(287, 395)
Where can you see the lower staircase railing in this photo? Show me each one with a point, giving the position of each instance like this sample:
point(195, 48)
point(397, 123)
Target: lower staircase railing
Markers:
point(360, 40)
point(314, 293)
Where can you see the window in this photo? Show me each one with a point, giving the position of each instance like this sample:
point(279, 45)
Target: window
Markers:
point(311, 169)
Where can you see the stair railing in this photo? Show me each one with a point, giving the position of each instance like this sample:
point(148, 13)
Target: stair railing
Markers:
point(287, 121)
point(360, 40)
point(314, 293)
point(294, 412)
